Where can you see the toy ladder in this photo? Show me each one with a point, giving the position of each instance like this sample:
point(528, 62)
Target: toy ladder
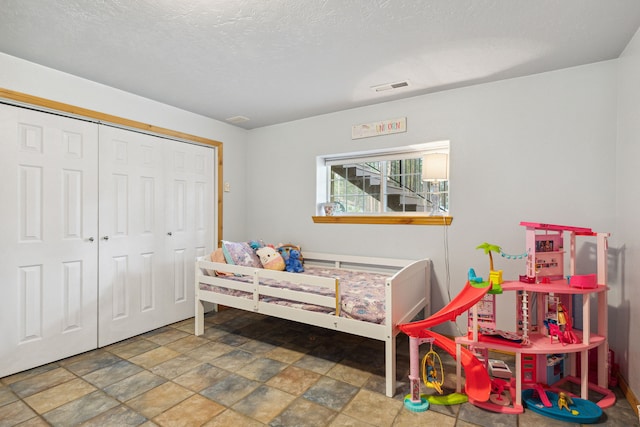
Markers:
point(529, 374)
point(524, 309)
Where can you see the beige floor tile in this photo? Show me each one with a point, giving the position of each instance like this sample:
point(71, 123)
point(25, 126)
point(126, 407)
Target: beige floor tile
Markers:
point(34, 422)
point(208, 352)
point(285, 355)
point(234, 361)
point(186, 344)
point(131, 348)
point(174, 367)
point(264, 403)
point(89, 355)
point(345, 421)
point(194, 411)
point(165, 336)
point(119, 416)
point(21, 376)
point(373, 408)
point(15, 413)
point(349, 375)
point(186, 325)
point(303, 412)
point(407, 418)
point(262, 369)
point(294, 380)
point(134, 385)
point(38, 383)
point(201, 377)
point(59, 395)
point(213, 333)
point(159, 399)
point(257, 347)
point(111, 374)
point(6, 395)
point(232, 418)
point(77, 411)
point(154, 357)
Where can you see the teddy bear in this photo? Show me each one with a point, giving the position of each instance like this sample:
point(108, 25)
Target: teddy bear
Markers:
point(270, 258)
point(284, 250)
point(294, 265)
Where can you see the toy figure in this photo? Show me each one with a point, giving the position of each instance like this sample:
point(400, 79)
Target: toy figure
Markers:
point(432, 375)
point(564, 401)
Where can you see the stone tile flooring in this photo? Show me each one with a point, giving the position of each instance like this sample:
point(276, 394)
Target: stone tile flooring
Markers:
point(246, 370)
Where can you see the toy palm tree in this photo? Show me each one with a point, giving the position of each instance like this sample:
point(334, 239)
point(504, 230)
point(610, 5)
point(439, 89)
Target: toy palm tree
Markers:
point(488, 248)
point(494, 276)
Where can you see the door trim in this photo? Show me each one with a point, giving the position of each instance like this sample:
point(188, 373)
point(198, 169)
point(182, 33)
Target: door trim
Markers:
point(92, 115)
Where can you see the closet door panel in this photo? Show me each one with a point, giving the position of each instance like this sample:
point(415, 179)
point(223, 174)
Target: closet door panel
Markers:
point(48, 304)
point(190, 212)
point(132, 267)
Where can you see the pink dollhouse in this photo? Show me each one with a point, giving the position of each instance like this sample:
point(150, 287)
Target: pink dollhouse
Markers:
point(549, 346)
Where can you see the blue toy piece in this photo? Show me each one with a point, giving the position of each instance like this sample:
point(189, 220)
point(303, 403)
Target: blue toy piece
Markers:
point(473, 278)
point(579, 411)
point(420, 406)
point(293, 263)
point(519, 256)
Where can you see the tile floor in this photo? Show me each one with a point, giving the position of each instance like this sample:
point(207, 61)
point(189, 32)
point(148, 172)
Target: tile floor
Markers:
point(247, 370)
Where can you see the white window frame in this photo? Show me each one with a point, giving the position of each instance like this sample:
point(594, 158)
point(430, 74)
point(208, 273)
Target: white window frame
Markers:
point(324, 177)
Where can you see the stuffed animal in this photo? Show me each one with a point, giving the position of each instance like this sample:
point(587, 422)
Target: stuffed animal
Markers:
point(294, 265)
point(270, 258)
point(286, 248)
point(256, 244)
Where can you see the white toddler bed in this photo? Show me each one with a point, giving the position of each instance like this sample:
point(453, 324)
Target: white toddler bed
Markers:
point(325, 301)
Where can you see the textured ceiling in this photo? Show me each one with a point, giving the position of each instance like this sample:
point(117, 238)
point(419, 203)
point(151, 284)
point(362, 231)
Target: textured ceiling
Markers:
point(279, 60)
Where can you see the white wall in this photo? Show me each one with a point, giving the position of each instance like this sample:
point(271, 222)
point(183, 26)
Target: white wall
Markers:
point(537, 148)
point(625, 299)
point(33, 79)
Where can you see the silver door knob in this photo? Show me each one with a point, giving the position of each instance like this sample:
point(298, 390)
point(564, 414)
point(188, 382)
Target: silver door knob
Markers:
point(105, 238)
point(169, 234)
point(90, 239)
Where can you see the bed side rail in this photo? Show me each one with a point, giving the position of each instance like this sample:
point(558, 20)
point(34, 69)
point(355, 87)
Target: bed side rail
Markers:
point(356, 262)
point(331, 286)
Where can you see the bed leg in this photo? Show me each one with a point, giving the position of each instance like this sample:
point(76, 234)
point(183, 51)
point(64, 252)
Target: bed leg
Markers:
point(199, 317)
point(390, 366)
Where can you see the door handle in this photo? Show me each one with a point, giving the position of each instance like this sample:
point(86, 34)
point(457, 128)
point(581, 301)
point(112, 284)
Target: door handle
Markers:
point(169, 234)
point(105, 238)
point(90, 239)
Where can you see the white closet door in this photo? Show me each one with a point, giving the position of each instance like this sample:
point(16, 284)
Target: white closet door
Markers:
point(190, 196)
point(133, 272)
point(48, 236)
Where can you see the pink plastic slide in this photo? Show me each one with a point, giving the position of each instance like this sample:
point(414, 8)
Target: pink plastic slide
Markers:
point(542, 395)
point(478, 383)
point(467, 298)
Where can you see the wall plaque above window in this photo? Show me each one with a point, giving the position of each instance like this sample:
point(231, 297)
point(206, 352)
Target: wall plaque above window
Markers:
point(384, 127)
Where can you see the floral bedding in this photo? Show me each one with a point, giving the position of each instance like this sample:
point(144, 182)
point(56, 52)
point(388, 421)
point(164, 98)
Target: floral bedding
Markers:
point(362, 294)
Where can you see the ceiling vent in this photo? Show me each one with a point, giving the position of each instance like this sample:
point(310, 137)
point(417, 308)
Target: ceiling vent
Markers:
point(390, 86)
point(237, 119)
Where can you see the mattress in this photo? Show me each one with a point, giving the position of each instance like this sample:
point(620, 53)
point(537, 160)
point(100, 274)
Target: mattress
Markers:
point(362, 294)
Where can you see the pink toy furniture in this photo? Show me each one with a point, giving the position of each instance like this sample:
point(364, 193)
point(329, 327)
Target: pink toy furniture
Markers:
point(535, 341)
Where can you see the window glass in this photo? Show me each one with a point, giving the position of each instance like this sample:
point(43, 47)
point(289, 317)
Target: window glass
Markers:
point(386, 183)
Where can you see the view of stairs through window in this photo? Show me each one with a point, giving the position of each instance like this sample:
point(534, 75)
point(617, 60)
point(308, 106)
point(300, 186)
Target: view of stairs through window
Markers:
point(386, 186)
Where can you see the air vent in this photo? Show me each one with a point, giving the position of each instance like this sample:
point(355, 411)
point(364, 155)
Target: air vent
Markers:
point(390, 86)
point(237, 119)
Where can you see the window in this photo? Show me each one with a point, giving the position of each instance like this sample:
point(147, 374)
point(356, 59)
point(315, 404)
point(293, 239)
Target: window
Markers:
point(387, 182)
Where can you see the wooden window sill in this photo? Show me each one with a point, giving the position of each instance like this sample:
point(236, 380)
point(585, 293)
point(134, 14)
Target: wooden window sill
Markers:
point(384, 219)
